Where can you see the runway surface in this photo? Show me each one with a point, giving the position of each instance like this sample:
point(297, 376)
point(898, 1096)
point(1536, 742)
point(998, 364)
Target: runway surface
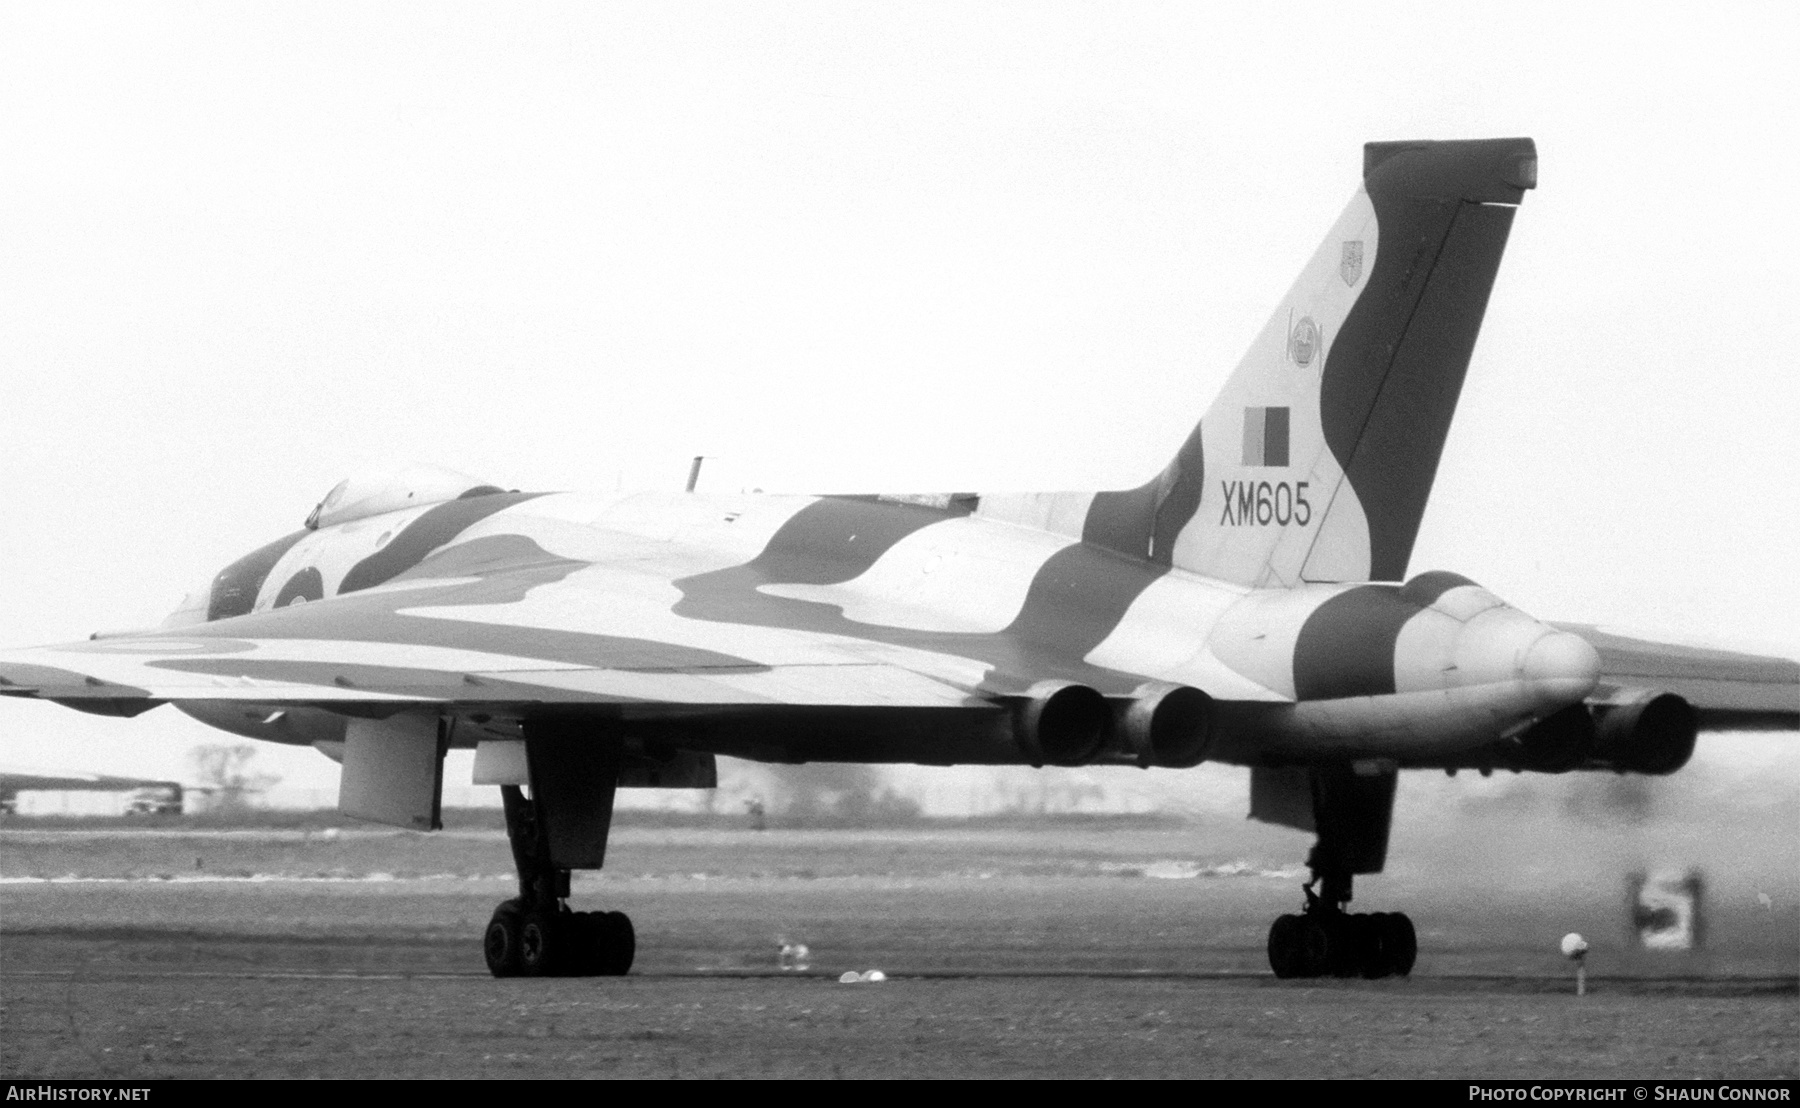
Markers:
point(1063, 951)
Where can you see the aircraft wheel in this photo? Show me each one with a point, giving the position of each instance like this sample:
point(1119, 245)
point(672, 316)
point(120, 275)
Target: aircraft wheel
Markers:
point(1286, 957)
point(1345, 945)
point(616, 945)
point(541, 939)
point(1370, 936)
point(1315, 940)
point(500, 944)
point(575, 952)
point(1400, 943)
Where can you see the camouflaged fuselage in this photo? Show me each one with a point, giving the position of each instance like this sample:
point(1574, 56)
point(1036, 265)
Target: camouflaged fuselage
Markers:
point(681, 609)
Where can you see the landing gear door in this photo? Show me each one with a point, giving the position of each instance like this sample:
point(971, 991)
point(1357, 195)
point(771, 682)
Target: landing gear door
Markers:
point(394, 771)
point(1282, 795)
point(574, 769)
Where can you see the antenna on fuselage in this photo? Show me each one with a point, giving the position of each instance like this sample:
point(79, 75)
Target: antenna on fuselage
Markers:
point(694, 472)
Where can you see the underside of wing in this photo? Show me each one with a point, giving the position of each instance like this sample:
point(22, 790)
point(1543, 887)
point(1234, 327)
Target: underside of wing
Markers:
point(1729, 691)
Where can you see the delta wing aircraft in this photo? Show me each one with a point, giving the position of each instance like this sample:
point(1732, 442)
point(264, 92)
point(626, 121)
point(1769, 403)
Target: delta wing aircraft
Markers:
point(1249, 604)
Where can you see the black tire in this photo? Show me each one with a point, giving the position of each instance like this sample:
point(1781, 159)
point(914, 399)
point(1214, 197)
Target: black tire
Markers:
point(616, 943)
point(541, 942)
point(500, 943)
point(1285, 956)
point(1314, 939)
point(1346, 945)
point(1371, 933)
point(1400, 943)
point(576, 955)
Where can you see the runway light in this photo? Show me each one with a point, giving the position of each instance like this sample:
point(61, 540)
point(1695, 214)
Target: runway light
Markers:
point(851, 977)
point(1575, 949)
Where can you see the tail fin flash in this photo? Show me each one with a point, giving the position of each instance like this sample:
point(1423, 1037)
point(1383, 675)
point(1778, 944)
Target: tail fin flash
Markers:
point(1315, 461)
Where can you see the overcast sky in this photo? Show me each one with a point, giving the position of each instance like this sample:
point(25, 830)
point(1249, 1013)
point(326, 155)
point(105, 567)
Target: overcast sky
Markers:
point(247, 248)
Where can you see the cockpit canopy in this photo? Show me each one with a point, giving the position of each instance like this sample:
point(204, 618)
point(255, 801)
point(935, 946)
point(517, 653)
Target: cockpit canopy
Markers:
point(389, 490)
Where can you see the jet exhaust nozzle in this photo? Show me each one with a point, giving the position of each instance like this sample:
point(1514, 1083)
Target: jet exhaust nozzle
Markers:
point(1061, 724)
point(1650, 733)
point(1642, 732)
point(1167, 725)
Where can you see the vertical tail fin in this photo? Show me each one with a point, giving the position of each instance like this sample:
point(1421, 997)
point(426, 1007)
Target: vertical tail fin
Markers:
point(1315, 460)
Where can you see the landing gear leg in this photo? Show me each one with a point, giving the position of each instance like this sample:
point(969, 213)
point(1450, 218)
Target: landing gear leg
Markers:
point(1325, 940)
point(535, 934)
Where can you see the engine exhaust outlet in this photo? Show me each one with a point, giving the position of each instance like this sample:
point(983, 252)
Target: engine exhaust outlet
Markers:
point(1061, 723)
point(1167, 725)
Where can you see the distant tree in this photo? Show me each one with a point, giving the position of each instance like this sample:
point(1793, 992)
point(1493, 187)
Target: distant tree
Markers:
point(224, 770)
point(828, 794)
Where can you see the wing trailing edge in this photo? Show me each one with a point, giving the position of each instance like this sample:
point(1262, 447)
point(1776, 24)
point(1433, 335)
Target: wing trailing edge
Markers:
point(1729, 691)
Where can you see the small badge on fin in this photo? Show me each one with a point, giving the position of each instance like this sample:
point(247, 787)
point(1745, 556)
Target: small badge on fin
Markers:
point(1350, 267)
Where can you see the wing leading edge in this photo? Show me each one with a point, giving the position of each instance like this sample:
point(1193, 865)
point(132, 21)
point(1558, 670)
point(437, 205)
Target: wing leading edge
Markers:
point(389, 646)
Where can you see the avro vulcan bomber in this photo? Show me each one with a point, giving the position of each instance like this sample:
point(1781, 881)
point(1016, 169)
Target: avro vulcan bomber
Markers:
point(1249, 604)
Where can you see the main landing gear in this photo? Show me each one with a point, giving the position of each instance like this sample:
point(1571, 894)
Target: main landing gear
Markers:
point(1326, 941)
point(535, 934)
